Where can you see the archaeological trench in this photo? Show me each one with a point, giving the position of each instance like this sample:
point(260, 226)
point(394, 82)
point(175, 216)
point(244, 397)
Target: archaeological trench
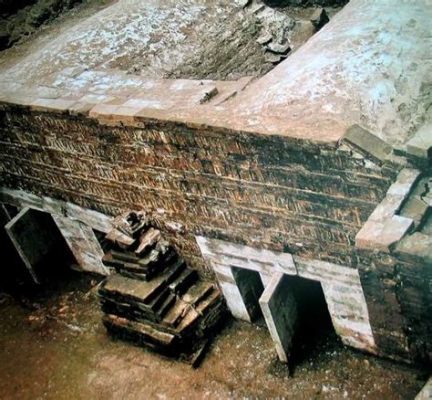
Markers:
point(268, 150)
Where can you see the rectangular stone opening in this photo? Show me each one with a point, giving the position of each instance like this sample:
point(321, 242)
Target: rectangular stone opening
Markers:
point(297, 317)
point(314, 327)
point(35, 246)
point(251, 288)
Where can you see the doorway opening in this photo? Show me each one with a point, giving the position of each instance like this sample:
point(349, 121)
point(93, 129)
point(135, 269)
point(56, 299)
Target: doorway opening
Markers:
point(34, 247)
point(251, 288)
point(314, 328)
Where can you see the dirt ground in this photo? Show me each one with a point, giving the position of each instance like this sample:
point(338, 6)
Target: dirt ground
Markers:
point(53, 346)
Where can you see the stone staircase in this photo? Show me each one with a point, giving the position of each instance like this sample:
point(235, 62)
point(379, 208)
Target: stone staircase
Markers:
point(154, 299)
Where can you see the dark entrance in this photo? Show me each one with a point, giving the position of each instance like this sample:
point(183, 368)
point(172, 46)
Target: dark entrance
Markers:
point(314, 330)
point(251, 288)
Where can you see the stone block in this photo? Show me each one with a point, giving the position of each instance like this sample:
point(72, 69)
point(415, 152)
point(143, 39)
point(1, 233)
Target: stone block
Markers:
point(386, 209)
point(52, 104)
point(279, 309)
point(80, 108)
point(416, 248)
point(404, 183)
point(83, 244)
point(367, 143)
point(420, 145)
point(231, 292)
point(103, 111)
point(383, 235)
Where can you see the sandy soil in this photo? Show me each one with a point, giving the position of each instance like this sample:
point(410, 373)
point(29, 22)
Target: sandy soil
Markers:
point(53, 346)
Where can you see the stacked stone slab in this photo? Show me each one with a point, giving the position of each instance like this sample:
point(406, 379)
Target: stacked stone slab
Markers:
point(154, 299)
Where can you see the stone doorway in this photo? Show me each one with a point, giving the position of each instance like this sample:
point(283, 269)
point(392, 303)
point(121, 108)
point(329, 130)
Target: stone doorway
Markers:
point(251, 289)
point(34, 248)
point(338, 292)
point(314, 326)
point(294, 310)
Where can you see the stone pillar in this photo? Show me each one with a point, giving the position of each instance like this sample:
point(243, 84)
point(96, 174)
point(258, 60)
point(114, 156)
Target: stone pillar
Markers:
point(349, 314)
point(279, 308)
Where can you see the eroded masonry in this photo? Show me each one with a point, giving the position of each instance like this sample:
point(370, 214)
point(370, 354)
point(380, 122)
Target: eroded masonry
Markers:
point(317, 170)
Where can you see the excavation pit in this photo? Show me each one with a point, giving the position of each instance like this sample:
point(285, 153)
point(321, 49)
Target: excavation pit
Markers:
point(309, 170)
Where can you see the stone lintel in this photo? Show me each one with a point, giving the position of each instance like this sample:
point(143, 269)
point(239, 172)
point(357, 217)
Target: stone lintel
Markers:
point(21, 199)
point(260, 260)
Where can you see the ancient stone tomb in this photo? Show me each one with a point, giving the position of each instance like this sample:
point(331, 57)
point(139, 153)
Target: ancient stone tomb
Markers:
point(317, 173)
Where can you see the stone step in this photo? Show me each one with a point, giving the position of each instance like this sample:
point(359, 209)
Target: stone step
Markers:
point(124, 289)
point(203, 314)
point(156, 300)
point(184, 281)
point(130, 265)
point(140, 332)
point(147, 241)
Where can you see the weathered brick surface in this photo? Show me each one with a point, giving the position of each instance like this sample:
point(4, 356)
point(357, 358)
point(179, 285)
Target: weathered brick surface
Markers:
point(399, 298)
point(270, 190)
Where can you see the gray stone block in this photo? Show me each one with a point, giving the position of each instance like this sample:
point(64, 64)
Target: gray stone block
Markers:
point(416, 247)
point(420, 145)
point(383, 235)
point(367, 143)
